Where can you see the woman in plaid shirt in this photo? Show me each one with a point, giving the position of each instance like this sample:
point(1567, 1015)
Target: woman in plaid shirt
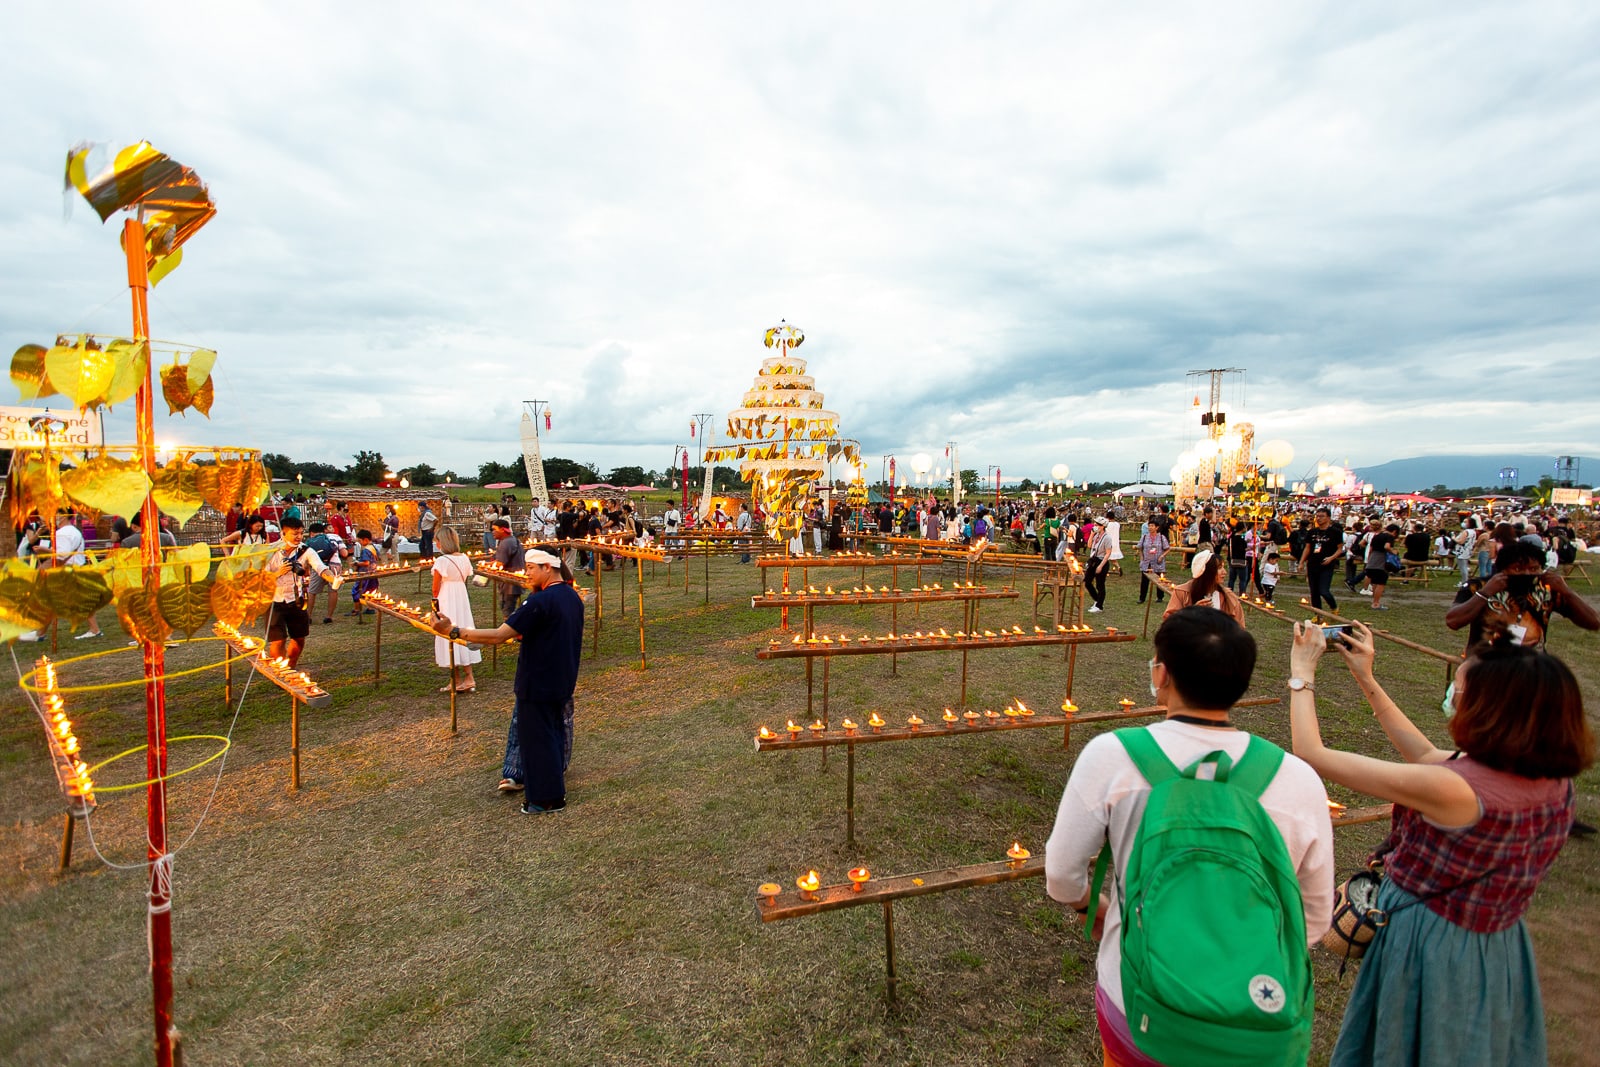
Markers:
point(1475, 829)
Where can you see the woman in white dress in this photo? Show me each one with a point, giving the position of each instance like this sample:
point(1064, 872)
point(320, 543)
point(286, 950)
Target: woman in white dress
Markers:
point(451, 570)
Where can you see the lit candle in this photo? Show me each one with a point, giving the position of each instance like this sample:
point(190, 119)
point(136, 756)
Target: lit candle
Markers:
point(1017, 854)
point(849, 727)
point(950, 718)
point(990, 714)
point(972, 717)
point(1125, 703)
point(876, 722)
point(817, 728)
point(914, 722)
point(765, 734)
point(1068, 706)
point(858, 877)
point(809, 883)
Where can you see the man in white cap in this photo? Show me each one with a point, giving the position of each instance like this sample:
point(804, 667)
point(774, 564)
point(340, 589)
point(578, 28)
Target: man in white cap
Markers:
point(550, 626)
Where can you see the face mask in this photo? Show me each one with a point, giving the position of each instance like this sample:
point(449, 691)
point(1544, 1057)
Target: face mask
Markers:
point(1520, 584)
point(1449, 704)
point(1153, 694)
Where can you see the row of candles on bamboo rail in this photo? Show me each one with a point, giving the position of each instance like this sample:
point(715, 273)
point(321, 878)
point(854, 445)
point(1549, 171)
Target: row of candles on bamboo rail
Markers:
point(79, 786)
point(810, 883)
point(876, 722)
point(277, 669)
point(938, 635)
point(882, 590)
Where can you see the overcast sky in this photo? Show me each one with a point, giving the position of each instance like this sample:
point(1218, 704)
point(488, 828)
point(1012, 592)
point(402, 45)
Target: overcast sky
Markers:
point(1014, 226)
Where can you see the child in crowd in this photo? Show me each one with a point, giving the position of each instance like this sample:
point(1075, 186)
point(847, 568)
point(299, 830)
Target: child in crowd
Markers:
point(1269, 575)
point(364, 559)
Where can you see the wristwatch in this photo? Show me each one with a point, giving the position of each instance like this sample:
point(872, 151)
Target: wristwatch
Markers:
point(455, 633)
point(1298, 685)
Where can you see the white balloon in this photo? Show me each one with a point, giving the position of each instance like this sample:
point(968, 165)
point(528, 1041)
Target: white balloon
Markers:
point(1059, 472)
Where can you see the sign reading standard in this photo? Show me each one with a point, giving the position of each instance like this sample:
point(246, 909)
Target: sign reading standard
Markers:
point(81, 430)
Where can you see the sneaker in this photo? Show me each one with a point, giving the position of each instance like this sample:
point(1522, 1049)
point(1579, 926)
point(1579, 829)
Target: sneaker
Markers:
point(1094, 608)
point(538, 809)
point(1380, 607)
point(327, 620)
point(31, 635)
point(509, 785)
point(88, 634)
point(1366, 592)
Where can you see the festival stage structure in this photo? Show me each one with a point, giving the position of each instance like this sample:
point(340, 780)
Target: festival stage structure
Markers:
point(792, 437)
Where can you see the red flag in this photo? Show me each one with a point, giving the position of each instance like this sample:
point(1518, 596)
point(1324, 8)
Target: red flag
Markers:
point(946, 451)
point(691, 427)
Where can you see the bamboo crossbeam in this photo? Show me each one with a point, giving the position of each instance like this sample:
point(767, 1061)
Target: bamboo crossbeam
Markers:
point(297, 684)
point(900, 644)
point(845, 559)
point(621, 549)
point(938, 727)
point(811, 598)
point(795, 904)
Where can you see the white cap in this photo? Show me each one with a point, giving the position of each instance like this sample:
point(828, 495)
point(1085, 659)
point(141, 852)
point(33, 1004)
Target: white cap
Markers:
point(1198, 564)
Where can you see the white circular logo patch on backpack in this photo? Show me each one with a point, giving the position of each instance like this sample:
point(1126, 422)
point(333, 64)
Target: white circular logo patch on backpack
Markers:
point(1266, 993)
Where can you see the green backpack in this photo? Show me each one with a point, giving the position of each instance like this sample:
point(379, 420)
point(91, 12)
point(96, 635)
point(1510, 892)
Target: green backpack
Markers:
point(1215, 969)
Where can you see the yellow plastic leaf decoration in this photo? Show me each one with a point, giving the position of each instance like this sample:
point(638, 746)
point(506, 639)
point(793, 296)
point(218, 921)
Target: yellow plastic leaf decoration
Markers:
point(108, 485)
point(176, 488)
point(35, 484)
point(81, 374)
point(185, 605)
point(178, 393)
point(190, 563)
point(123, 569)
point(242, 590)
point(20, 602)
point(198, 369)
point(28, 373)
point(132, 362)
point(207, 481)
point(230, 481)
point(138, 610)
point(256, 485)
point(74, 593)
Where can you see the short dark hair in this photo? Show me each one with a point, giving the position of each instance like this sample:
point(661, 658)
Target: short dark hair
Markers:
point(1325, 511)
point(1209, 657)
point(1521, 711)
point(291, 522)
point(503, 523)
point(1518, 552)
point(363, 533)
point(318, 527)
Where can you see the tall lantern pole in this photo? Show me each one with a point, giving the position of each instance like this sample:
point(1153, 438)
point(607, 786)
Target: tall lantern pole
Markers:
point(155, 691)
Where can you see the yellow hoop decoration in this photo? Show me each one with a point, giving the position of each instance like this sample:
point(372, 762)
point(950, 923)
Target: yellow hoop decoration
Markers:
point(30, 680)
point(226, 744)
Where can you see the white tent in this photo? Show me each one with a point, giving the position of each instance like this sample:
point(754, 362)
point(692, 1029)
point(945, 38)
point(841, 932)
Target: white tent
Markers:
point(1148, 490)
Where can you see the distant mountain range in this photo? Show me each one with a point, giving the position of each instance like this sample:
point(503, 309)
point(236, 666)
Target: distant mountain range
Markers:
point(1421, 473)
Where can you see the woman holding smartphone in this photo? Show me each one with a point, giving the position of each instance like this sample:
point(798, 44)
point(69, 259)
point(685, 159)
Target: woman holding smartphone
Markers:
point(1449, 977)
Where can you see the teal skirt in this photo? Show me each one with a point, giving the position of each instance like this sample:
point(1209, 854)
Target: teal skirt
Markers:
point(1430, 992)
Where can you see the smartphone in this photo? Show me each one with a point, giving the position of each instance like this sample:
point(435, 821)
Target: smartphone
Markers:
point(1335, 634)
point(436, 605)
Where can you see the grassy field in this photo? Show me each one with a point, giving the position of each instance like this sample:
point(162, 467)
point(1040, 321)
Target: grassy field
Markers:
point(398, 910)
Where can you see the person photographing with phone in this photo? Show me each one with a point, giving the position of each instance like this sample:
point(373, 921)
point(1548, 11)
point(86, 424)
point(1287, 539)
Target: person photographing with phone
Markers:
point(1449, 975)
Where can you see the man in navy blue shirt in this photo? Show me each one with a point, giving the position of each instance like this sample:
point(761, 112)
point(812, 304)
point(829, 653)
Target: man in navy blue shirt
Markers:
point(550, 625)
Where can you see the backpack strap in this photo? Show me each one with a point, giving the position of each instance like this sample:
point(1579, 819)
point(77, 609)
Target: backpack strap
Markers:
point(1155, 767)
point(1257, 767)
point(1147, 756)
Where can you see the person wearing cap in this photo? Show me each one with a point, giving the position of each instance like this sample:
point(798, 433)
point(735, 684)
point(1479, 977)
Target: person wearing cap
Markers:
point(1206, 588)
point(550, 626)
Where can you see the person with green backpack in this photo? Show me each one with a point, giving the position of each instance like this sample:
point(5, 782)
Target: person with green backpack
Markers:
point(1219, 849)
